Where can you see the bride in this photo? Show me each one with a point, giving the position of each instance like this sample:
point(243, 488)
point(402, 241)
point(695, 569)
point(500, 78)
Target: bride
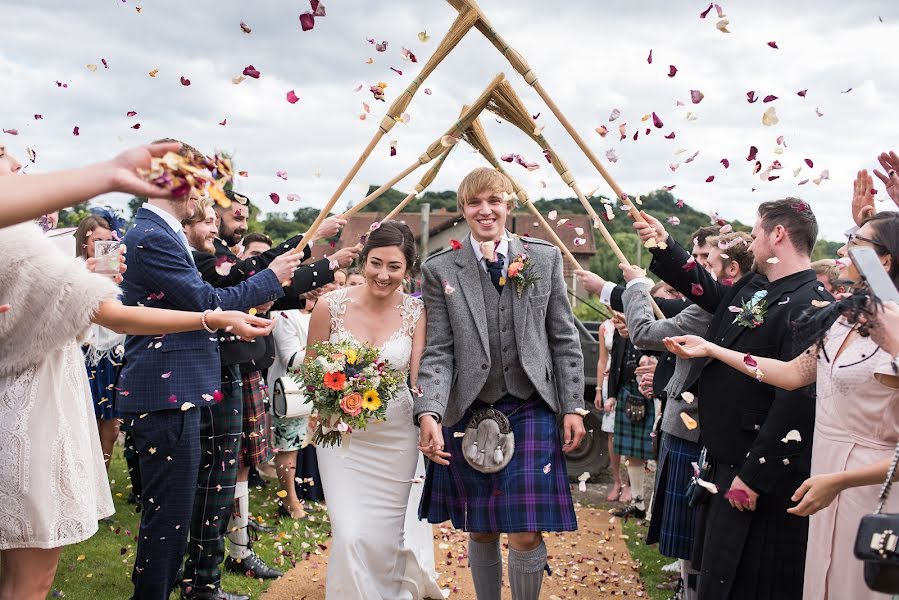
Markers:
point(367, 480)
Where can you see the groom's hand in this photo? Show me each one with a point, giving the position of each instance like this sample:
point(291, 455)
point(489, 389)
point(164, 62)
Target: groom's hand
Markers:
point(430, 440)
point(573, 426)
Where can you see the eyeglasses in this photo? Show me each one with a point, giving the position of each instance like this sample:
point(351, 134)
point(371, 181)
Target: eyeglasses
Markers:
point(852, 237)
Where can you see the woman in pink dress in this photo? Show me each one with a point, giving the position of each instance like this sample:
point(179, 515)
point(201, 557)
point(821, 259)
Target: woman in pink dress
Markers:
point(856, 424)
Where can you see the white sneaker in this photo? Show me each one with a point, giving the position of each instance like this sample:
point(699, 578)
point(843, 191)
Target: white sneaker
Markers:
point(672, 568)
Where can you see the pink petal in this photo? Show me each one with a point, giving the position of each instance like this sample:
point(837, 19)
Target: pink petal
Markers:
point(396, 71)
point(217, 396)
point(223, 122)
point(611, 155)
point(131, 113)
point(773, 45)
point(307, 21)
point(690, 264)
point(11, 131)
point(809, 162)
point(185, 81)
point(680, 203)
point(696, 96)
point(737, 495)
point(38, 117)
point(166, 375)
point(245, 28)
point(726, 228)
point(706, 12)
point(692, 158)
point(710, 179)
point(802, 93)
point(751, 97)
point(602, 130)
point(769, 98)
point(719, 11)
point(670, 136)
point(672, 70)
point(135, 126)
point(250, 71)
point(674, 220)
point(752, 152)
point(407, 54)
point(173, 399)
point(275, 197)
point(818, 112)
point(749, 361)
point(725, 162)
point(292, 97)
point(649, 58)
point(76, 131)
point(622, 131)
point(657, 121)
point(507, 158)
point(282, 175)
point(696, 289)
point(105, 65)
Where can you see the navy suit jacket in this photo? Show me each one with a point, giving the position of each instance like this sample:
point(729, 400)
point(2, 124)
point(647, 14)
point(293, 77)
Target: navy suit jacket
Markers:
point(164, 372)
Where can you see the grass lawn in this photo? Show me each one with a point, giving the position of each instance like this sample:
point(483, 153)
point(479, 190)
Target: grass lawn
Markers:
point(100, 567)
point(651, 562)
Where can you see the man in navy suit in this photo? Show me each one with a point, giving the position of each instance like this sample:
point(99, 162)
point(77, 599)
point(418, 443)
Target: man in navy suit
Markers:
point(166, 378)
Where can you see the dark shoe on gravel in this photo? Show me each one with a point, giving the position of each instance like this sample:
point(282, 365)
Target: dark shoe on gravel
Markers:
point(252, 566)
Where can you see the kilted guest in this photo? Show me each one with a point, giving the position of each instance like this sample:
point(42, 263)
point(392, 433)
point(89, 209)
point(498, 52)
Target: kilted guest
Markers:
point(103, 348)
point(242, 413)
point(619, 491)
point(502, 356)
point(634, 417)
point(297, 467)
point(673, 520)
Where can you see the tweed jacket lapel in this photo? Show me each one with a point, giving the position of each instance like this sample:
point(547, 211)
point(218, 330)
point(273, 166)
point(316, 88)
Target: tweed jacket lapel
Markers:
point(469, 278)
point(520, 306)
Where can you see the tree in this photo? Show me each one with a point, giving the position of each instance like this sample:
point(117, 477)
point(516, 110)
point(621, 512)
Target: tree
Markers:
point(71, 217)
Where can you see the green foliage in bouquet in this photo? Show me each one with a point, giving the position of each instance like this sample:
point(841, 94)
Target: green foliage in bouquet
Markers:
point(349, 386)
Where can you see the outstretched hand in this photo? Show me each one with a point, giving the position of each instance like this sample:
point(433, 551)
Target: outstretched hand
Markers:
point(688, 346)
point(124, 170)
point(590, 281)
point(890, 163)
point(631, 272)
point(652, 229)
point(862, 197)
point(241, 324)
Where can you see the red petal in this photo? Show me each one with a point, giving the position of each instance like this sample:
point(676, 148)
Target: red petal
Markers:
point(173, 399)
point(38, 117)
point(217, 396)
point(737, 495)
point(710, 179)
point(275, 197)
point(802, 93)
point(223, 122)
point(752, 152)
point(103, 60)
point(135, 126)
point(292, 97)
point(769, 98)
point(696, 289)
point(670, 136)
point(696, 96)
point(396, 71)
point(185, 81)
point(810, 164)
point(649, 58)
point(689, 265)
point(706, 12)
point(76, 131)
point(750, 96)
point(657, 121)
point(725, 162)
point(507, 158)
point(773, 45)
point(131, 113)
point(680, 203)
point(318, 9)
point(455, 244)
point(749, 361)
point(773, 177)
point(251, 71)
point(392, 150)
point(672, 70)
point(307, 21)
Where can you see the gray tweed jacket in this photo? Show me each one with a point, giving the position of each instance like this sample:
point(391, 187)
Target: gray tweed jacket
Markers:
point(456, 359)
point(647, 333)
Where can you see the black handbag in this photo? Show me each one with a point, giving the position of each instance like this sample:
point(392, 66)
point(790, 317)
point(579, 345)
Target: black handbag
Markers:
point(877, 540)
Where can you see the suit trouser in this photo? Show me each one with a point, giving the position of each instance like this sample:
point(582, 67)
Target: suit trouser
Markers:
point(221, 427)
point(168, 448)
point(132, 460)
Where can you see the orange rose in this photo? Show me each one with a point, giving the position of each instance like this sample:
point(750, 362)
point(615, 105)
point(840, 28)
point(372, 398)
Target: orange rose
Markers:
point(515, 268)
point(352, 404)
point(335, 381)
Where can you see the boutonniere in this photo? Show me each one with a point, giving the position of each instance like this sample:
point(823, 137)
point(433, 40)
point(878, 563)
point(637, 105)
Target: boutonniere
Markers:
point(752, 313)
point(520, 271)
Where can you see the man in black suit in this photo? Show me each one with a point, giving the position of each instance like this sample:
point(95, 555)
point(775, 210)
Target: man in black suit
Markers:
point(747, 545)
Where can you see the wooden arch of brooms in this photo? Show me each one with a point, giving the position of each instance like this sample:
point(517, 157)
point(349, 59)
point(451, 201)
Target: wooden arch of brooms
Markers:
point(499, 98)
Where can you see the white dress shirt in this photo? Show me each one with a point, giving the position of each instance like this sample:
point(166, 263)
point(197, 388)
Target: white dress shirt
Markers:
point(501, 250)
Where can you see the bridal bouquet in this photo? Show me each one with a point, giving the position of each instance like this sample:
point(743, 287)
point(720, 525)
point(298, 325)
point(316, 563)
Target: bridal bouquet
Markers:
point(348, 385)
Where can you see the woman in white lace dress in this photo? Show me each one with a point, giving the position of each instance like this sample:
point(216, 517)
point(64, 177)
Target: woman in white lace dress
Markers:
point(368, 479)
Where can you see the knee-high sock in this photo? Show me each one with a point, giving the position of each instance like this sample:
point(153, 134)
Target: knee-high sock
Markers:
point(486, 562)
point(526, 572)
point(238, 536)
point(637, 475)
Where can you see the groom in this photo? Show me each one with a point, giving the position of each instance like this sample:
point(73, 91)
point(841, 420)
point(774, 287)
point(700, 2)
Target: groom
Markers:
point(501, 337)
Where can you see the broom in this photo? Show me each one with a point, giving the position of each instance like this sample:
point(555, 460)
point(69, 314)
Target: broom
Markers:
point(463, 23)
point(477, 138)
point(427, 180)
point(436, 148)
point(521, 65)
point(506, 104)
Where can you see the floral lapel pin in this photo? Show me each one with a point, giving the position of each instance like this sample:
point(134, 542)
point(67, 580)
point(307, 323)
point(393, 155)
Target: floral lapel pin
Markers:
point(752, 313)
point(521, 273)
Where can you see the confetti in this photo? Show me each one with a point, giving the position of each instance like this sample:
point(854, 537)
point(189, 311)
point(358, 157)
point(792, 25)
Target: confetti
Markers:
point(274, 197)
point(689, 422)
point(11, 131)
point(672, 70)
point(245, 28)
point(753, 151)
point(656, 121)
point(187, 406)
point(773, 45)
point(773, 260)
point(722, 26)
point(292, 97)
point(455, 244)
point(688, 397)
point(770, 117)
point(696, 289)
point(769, 98)
point(547, 469)
point(725, 163)
point(792, 436)
point(423, 36)
point(166, 376)
point(614, 114)
point(674, 220)
point(696, 96)
point(184, 81)
point(611, 155)
point(76, 131)
point(737, 495)
point(751, 97)
point(251, 71)
point(448, 290)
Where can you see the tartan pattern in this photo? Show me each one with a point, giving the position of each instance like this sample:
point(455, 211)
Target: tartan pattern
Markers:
point(221, 427)
point(255, 445)
point(633, 439)
point(673, 522)
point(521, 497)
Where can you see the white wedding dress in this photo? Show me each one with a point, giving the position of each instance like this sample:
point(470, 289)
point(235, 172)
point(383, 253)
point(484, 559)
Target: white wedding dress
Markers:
point(379, 549)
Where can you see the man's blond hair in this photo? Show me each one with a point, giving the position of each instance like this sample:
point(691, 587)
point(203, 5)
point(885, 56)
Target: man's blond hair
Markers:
point(483, 179)
point(827, 267)
point(199, 212)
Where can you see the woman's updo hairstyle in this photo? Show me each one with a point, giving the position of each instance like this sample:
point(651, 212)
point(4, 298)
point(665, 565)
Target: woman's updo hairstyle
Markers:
point(393, 233)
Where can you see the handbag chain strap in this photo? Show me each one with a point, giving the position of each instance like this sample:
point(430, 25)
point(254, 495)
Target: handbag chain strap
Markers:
point(888, 484)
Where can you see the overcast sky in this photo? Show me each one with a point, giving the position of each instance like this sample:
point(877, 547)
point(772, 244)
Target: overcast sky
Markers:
point(590, 55)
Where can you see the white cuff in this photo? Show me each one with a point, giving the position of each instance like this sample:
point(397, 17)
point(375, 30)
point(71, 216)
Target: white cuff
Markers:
point(649, 282)
point(426, 414)
point(605, 294)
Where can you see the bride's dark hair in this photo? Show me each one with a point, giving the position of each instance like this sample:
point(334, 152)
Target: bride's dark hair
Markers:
point(393, 233)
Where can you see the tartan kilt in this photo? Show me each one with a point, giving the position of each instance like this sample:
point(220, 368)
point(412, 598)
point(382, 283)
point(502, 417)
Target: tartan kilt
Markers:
point(255, 445)
point(521, 497)
point(633, 439)
point(673, 521)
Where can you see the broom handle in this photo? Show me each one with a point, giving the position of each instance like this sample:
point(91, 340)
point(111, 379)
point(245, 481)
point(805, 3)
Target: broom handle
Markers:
point(307, 237)
point(399, 207)
point(610, 240)
point(380, 191)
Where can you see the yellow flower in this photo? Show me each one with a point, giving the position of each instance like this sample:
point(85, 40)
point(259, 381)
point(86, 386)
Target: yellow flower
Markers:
point(371, 401)
point(351, 356)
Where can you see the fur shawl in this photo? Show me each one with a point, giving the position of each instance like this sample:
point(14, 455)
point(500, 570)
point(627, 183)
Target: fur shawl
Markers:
point(52, 297)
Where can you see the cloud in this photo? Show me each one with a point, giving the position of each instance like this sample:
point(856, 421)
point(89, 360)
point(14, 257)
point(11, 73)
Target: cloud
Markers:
point(590, 56)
